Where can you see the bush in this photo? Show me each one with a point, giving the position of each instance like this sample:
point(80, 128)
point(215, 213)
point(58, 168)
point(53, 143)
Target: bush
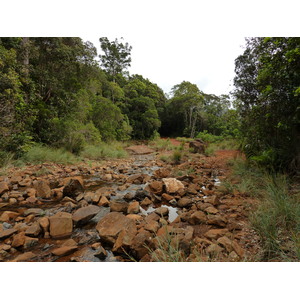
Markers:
point(176, 156)
point(207, 137)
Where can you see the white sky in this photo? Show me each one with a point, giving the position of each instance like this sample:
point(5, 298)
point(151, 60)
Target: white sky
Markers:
point(207, 61)
point(172, 40)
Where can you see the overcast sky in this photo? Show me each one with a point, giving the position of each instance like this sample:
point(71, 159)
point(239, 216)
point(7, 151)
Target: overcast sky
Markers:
point(207, 61)
point(172, 40)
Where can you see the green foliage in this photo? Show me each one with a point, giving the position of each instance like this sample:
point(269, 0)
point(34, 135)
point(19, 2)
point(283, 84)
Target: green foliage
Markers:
point(176, 156)
point(116, 56)
point(110, 121)
point(266, 83)
point(208, 137)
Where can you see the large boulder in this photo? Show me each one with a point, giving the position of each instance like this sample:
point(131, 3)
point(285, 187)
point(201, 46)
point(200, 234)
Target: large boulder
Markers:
point(61, 225)
point(84, 214)
point(112, 224)
point(172, 185)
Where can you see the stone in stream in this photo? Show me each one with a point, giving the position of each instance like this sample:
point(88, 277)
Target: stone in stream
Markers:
point(3, 188)
point(112, 224)
point(73, 187)
point(133, 208)
point(156, 187)
point(8, 215)
point(198, 217)
point(44, 223)
point(162, 211)
point(42, 189)
point(25, 257)
point(18, 240)
point(118, 206)
point(103, 201)
point(84, 214)
point(184, 202)
point(172, 185)
point(33, 230)
point(215, 233)
point(34, 211)
point(141, 242)
point(63, 251)
point(61, 225)
point(7, 233)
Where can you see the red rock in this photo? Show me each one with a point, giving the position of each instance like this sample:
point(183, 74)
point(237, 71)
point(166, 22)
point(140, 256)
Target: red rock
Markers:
point(141, 242)
point(124, 240)
point(24, 257)
point(31, 192)
point(213, 250)
point(42, 189)
point(3, 188)
point(31, 200)
point(146, 202)
point(215, 233)
point(216, 220)
point(156, 187)
point(162, 173)
point(152, 226)
point(15, 179)
point(103, 201)
point(7, 233)
point(133, 208)
point(135, 217)
point(73, 187)
point(84, 214)
point(184, 202)
point(34, 229)
point(162, 211)
point(30, 242)
point(167, 197)
point(63, 251)
point(226, 243)
point(18, 240)
point(8, 215)
point(61, 225)
point(118, 206)
point(112, 224)
point(198, 217)
point(172, 185)
point(211, 210)
point(44, 223)
point(238, 249)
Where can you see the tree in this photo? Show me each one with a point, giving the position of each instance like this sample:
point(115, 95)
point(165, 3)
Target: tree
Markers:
point(184, 110)
point(116, 56)
point(268, 98)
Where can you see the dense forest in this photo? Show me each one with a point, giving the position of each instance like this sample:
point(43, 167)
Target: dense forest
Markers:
point(60, 92)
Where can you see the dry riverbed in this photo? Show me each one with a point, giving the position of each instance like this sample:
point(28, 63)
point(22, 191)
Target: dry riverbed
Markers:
point(125, 210)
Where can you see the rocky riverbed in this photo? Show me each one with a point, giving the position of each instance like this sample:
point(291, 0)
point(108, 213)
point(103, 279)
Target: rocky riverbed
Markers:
point(122, 210)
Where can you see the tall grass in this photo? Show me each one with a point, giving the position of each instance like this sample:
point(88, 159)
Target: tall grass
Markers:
point(40, 154)
point(103, 150)
point(277, 217)
point(162, 144)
